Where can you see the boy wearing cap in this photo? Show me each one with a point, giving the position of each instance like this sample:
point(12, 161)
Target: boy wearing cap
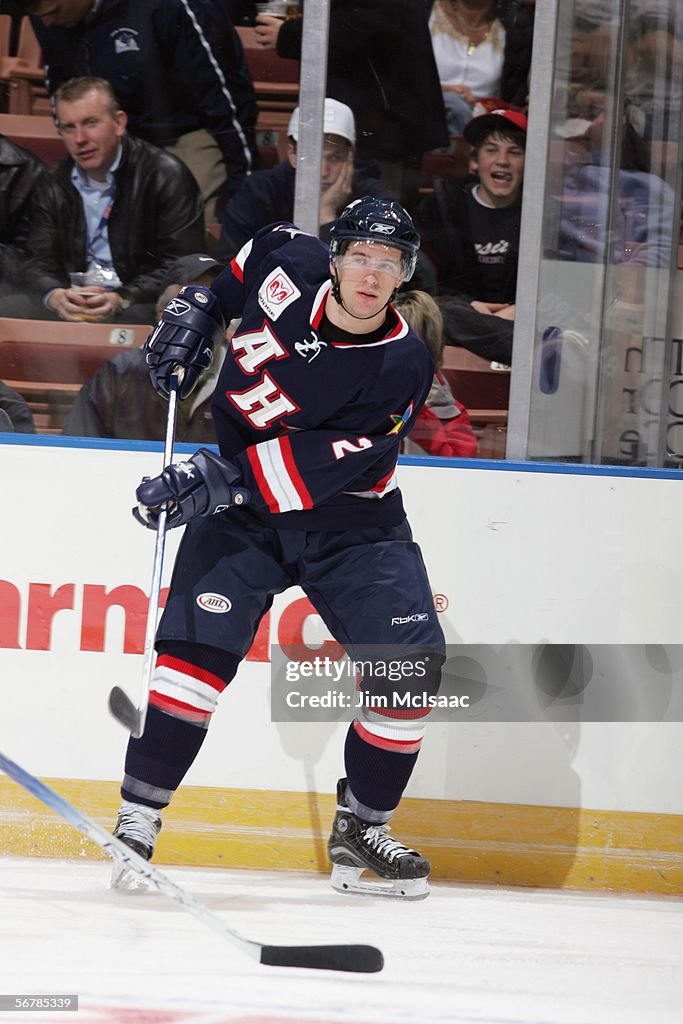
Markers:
point(472, 234)
point(268, 196)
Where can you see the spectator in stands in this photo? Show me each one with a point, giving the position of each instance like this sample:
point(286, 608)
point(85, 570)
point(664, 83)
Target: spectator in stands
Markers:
point(381, 64)
point(119, 400)
point(177, 67)
point(443, 424)
point(22, 176)
point(14, 412)
point(482, 50)
point(653, 77)
point(117, 207)
point(268, 196)
point(643, 229)
point(472, 234)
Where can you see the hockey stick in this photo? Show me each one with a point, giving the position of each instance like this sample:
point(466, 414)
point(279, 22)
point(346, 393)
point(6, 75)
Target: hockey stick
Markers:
point(120, 704)
point(359, 958)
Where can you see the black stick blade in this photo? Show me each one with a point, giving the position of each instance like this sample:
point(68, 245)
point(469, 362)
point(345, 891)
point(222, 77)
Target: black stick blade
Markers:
point(362, 959)
point(123, 709)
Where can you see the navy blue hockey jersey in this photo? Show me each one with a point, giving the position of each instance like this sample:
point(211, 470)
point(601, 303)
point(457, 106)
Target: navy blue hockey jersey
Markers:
point(314, 423)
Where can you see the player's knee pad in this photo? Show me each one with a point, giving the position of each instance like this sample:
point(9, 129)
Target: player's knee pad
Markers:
point(188, 680)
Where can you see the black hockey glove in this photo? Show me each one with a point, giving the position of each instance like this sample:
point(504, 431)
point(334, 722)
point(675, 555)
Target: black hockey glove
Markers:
point(202, 486)
point(190, 326)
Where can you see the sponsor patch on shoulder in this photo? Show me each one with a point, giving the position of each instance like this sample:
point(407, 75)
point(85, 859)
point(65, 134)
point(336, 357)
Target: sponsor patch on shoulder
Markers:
point(215, 603)
point(276, 293)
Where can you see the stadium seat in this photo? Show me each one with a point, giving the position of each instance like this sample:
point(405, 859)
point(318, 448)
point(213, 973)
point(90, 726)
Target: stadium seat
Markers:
point(476, 382)
point(276, 83)
point(35, 133)
point(47, 362)
point(484, 389)
point(21, 76)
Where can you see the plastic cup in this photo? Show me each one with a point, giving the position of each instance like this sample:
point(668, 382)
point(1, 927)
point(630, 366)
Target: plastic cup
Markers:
point(273, 9)
point(81, 283)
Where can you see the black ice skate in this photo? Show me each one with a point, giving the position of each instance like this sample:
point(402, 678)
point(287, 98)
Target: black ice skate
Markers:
point(356, 846)
point(138, 827)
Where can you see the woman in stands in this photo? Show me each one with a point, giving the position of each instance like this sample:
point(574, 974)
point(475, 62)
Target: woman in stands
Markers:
point(482, 50)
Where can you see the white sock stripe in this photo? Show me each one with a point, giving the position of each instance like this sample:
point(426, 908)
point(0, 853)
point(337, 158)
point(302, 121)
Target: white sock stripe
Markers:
point(224, 85)
point(171, 683)
point(392, 728)
point(277, 476)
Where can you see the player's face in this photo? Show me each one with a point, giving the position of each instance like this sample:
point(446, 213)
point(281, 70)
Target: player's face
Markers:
point(500, 166)
point(65, 13)
point(368, 274)
point(91, 132)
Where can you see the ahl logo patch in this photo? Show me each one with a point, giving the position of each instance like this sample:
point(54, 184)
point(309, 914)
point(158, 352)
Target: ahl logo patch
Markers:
point(215, 603)
point(276, 293)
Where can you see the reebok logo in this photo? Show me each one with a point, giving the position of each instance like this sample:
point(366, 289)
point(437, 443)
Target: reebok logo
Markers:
point(402, 620)
point(177, 307)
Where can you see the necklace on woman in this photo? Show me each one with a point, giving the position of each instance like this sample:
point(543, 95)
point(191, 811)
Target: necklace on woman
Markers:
point(475, 34)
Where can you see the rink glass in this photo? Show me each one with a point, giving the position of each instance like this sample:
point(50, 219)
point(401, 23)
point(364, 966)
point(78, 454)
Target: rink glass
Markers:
point(597, 373)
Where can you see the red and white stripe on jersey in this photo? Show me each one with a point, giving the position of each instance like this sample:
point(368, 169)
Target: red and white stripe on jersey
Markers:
point(277, 476)
point(238, 261)
point(398, 735)
point(185, 691)
point(399, 331)
point(318, 307)
point(384, 486)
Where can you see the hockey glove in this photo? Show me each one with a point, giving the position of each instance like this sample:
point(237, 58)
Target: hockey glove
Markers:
point(190, 326)
point(202, 486)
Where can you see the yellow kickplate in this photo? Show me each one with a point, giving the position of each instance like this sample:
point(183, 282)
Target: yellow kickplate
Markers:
point(466, 841)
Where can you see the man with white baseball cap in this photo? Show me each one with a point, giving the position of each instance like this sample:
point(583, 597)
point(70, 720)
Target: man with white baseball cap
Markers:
point(268, 196)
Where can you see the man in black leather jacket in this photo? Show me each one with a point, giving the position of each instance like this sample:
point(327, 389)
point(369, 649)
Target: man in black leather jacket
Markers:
point(22, 175)
point(117, 208)
point(177, 67)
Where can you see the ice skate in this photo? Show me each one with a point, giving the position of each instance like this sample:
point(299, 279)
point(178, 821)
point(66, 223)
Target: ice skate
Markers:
point(356, 846)
point(138, 827)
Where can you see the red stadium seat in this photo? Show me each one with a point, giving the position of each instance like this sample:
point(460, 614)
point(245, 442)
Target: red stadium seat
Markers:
point(47, 362)
point(35, 133)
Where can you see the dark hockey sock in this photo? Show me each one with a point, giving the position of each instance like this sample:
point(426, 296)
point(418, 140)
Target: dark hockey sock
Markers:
point(376, 777)
point(157, 763)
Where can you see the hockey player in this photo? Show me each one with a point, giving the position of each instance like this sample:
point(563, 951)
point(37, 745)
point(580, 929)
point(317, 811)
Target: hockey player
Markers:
point(322, 380)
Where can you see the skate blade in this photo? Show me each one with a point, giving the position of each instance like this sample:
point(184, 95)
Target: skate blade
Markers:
point(124, 880)
point(346, 879)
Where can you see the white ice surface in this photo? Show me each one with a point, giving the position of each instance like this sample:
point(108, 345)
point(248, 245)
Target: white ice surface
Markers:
point(466, 954)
